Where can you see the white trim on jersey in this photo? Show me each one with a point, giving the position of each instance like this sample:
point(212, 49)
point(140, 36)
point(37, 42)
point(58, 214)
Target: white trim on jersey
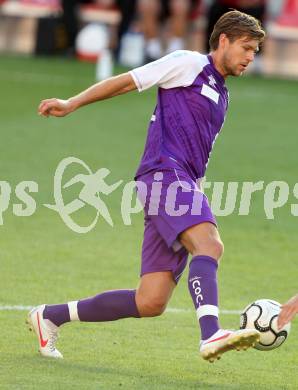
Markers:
point(210, 93)
point(178, 69)
point(207, 310)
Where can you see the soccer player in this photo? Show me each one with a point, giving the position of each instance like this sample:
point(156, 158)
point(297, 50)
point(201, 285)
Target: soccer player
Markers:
point(288, 312)
point(190, 111)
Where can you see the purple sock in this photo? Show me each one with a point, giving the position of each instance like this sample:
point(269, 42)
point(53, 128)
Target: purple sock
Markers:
point(108, 306)
point(58, 314)
point(202, 284)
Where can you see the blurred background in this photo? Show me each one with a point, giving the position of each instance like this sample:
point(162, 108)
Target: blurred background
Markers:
point(49, 49)
point(133, 32)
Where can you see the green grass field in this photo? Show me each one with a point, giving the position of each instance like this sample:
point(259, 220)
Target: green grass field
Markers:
point(41, 260)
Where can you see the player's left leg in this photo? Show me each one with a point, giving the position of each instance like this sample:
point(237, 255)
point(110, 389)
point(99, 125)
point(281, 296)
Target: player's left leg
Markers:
point(204, 243)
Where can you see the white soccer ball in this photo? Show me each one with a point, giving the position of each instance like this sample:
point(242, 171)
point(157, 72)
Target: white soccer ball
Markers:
point(262, 316)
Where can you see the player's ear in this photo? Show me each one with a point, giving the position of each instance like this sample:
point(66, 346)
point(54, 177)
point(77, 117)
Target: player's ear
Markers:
point(223, 40)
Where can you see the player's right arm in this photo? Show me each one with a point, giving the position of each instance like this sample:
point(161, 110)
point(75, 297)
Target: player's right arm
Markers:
point(106, 89)
point(288, 312)
point(178, 69)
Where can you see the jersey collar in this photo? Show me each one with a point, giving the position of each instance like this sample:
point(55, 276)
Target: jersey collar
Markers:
point(216, 72)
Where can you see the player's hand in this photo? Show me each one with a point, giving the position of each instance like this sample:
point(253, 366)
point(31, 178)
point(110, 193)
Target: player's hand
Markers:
point(288, 312)
point(55, 107)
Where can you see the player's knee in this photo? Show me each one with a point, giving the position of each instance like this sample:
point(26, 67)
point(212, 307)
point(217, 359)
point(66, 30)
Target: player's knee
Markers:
point(218, 248)
point(212, 247)
point(151, 306)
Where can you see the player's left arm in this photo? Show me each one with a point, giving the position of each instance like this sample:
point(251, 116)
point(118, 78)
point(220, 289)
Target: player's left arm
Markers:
point(106, 89)
point(288, 312)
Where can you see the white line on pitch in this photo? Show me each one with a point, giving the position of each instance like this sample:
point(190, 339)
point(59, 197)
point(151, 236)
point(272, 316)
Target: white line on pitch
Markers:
point(168, 310)
point(223, 311)
point(15, 308)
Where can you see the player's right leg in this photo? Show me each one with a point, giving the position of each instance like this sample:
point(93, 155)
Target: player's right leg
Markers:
point(149, 300)
point(160, 271)
point(154, 292)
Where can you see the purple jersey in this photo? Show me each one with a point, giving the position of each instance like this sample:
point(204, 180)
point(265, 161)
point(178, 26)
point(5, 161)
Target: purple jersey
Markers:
point(190, 111)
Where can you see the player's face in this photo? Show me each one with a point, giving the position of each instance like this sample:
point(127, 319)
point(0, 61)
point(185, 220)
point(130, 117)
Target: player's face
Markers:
point(238, 55)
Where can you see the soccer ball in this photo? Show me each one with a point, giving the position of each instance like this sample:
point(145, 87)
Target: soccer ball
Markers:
point(262, 316)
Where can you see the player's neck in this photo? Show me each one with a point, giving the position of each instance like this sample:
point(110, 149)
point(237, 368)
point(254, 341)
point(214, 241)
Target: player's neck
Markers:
point(218, 64)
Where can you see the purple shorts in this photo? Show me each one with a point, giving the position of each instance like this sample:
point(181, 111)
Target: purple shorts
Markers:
point(172, 203)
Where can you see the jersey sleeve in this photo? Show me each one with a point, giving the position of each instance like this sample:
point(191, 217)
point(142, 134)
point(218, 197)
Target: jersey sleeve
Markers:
point(178, 69)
